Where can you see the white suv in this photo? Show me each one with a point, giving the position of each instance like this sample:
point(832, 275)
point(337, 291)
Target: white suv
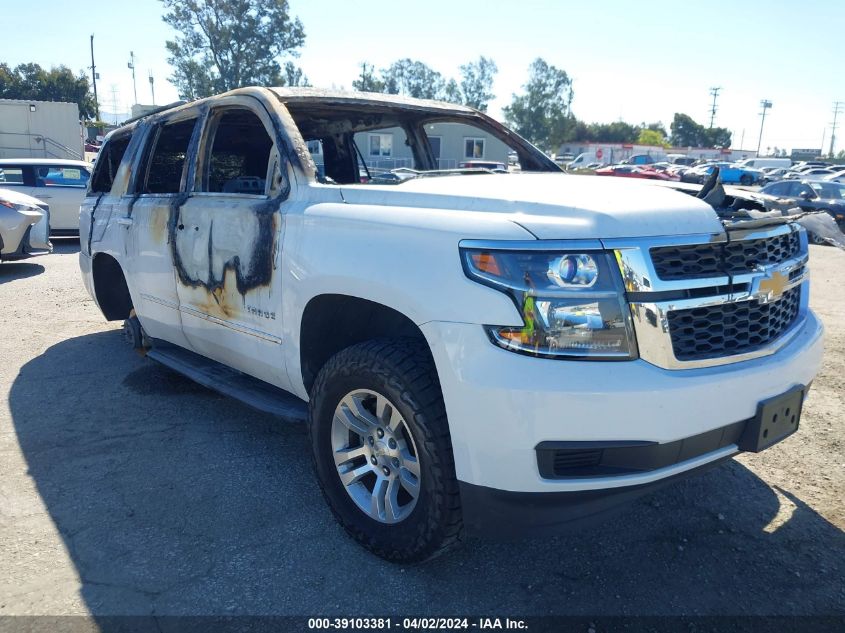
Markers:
point(476, 351)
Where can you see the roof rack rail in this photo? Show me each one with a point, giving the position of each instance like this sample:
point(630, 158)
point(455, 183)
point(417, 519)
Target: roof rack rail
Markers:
point(175, 104)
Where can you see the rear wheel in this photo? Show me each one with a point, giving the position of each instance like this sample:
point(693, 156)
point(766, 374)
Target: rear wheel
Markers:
point(382, 450)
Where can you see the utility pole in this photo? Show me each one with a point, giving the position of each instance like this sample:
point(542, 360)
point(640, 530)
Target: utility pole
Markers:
point(837, 110)
point(152, 88)
point(131, 65)
point(94, 78)
point(715, 93)
point(765, 104)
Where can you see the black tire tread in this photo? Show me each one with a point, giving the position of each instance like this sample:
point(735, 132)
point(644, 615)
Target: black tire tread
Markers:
point(406, 365)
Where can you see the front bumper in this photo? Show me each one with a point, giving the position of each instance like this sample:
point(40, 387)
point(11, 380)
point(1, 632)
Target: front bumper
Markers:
point(501, 405)
point(506, 514)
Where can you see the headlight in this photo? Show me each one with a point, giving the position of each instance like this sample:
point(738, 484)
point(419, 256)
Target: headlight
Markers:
point(572, 304)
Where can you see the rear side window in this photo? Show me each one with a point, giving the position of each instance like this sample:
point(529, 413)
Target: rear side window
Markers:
point(57, 176)
point(240, 154)
point(167, 160)
point(11, 175)
point(108, 160)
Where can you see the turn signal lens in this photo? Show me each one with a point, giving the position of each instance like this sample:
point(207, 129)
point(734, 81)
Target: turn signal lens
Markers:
point(486, 263)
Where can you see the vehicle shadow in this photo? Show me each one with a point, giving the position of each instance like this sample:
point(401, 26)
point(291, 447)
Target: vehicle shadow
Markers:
point(19, 270)
point(65, 245)
point(173, 500)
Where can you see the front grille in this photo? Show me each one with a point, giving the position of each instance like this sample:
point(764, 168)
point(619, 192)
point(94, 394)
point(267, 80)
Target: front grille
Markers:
point(567, 460)
point(728, 258)
point(731, 328)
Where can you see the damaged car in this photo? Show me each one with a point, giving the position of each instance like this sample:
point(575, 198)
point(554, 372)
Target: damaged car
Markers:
point(471, 351)
point(24, 226)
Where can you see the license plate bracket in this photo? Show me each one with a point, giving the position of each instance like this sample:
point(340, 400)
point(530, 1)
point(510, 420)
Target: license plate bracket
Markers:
point(777, 418)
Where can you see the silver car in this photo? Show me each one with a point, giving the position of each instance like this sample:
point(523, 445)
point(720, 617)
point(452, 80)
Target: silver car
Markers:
point(24, 226)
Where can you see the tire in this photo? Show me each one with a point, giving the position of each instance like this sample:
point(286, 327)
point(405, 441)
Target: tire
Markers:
point(398, 376)
point(746, 179)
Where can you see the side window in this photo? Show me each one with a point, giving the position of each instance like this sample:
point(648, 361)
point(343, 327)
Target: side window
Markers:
point(167, 159)
point(59, 176)
point(779, 189)
point(473, 148)
point(108, 160)
point(11, 175)
point(800, 189)
point(381, 145)
point(240, 154)
point(380, 151)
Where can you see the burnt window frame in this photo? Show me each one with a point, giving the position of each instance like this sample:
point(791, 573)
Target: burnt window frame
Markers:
point(152, 136)
point(206, 145)
point(129, 135)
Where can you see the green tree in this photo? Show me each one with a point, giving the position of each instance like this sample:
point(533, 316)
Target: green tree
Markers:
point(616, 132)
point(226, 44)
point(452, 92)
point(32, 82)
point(650, 137)
point(367, 80)
point(413, 79)
point(542, 114)
point(477, 83)
point(688, 133)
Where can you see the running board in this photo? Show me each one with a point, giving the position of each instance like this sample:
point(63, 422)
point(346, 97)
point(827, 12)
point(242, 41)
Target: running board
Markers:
point(230, 382)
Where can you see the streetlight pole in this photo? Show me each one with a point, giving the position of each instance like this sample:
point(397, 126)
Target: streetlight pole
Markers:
point(765, 104)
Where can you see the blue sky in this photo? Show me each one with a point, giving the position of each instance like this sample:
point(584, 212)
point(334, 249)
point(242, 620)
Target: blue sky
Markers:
point(635, 61)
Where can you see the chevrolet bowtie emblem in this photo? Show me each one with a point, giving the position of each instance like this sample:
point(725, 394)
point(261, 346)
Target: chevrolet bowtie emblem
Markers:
point(771, 288)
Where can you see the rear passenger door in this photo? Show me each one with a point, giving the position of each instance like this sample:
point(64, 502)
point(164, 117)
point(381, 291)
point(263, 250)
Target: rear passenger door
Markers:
point(227, 242)
point(63, 188)
point(149, 213)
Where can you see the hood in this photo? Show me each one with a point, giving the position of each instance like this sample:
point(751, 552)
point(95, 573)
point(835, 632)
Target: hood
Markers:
point(15, 197)
point(554, 206)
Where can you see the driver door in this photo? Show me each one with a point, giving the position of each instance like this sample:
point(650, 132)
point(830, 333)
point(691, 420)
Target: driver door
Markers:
point(227, 243)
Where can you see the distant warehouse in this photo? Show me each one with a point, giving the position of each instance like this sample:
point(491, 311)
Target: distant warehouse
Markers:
point(40, 129)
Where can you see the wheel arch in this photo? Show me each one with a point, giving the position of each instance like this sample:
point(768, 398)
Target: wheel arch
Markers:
point(110, 288)
point(333, 322)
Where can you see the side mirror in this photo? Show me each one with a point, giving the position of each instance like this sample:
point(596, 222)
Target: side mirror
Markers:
point(806, 195)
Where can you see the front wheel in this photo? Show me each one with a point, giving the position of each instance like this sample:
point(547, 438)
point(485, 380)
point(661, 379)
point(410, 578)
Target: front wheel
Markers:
point(746, 179)
point(382, 451)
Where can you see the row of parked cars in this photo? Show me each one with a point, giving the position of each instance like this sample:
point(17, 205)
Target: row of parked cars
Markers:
point(39, 198)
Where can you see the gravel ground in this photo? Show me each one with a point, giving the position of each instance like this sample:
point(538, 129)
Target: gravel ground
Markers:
point(126, 489)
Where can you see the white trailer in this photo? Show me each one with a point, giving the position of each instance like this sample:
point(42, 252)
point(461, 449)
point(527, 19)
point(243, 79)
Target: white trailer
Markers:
point(40, 129)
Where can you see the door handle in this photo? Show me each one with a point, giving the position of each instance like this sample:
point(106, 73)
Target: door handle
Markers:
point(124, 221)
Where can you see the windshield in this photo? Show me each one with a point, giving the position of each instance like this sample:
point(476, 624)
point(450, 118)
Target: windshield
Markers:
point(384, 143)
point(829, 190)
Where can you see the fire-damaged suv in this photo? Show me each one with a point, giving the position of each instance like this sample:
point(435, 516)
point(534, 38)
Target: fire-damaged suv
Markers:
point(471, 350)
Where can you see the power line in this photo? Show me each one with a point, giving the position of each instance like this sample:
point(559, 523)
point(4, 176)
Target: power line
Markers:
point(837, 110)
point(715, 93)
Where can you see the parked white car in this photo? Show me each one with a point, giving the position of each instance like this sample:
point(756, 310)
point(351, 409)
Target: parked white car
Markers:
point(24, 226)
point(59, 183)
point(470, 350)
point(836, 176)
